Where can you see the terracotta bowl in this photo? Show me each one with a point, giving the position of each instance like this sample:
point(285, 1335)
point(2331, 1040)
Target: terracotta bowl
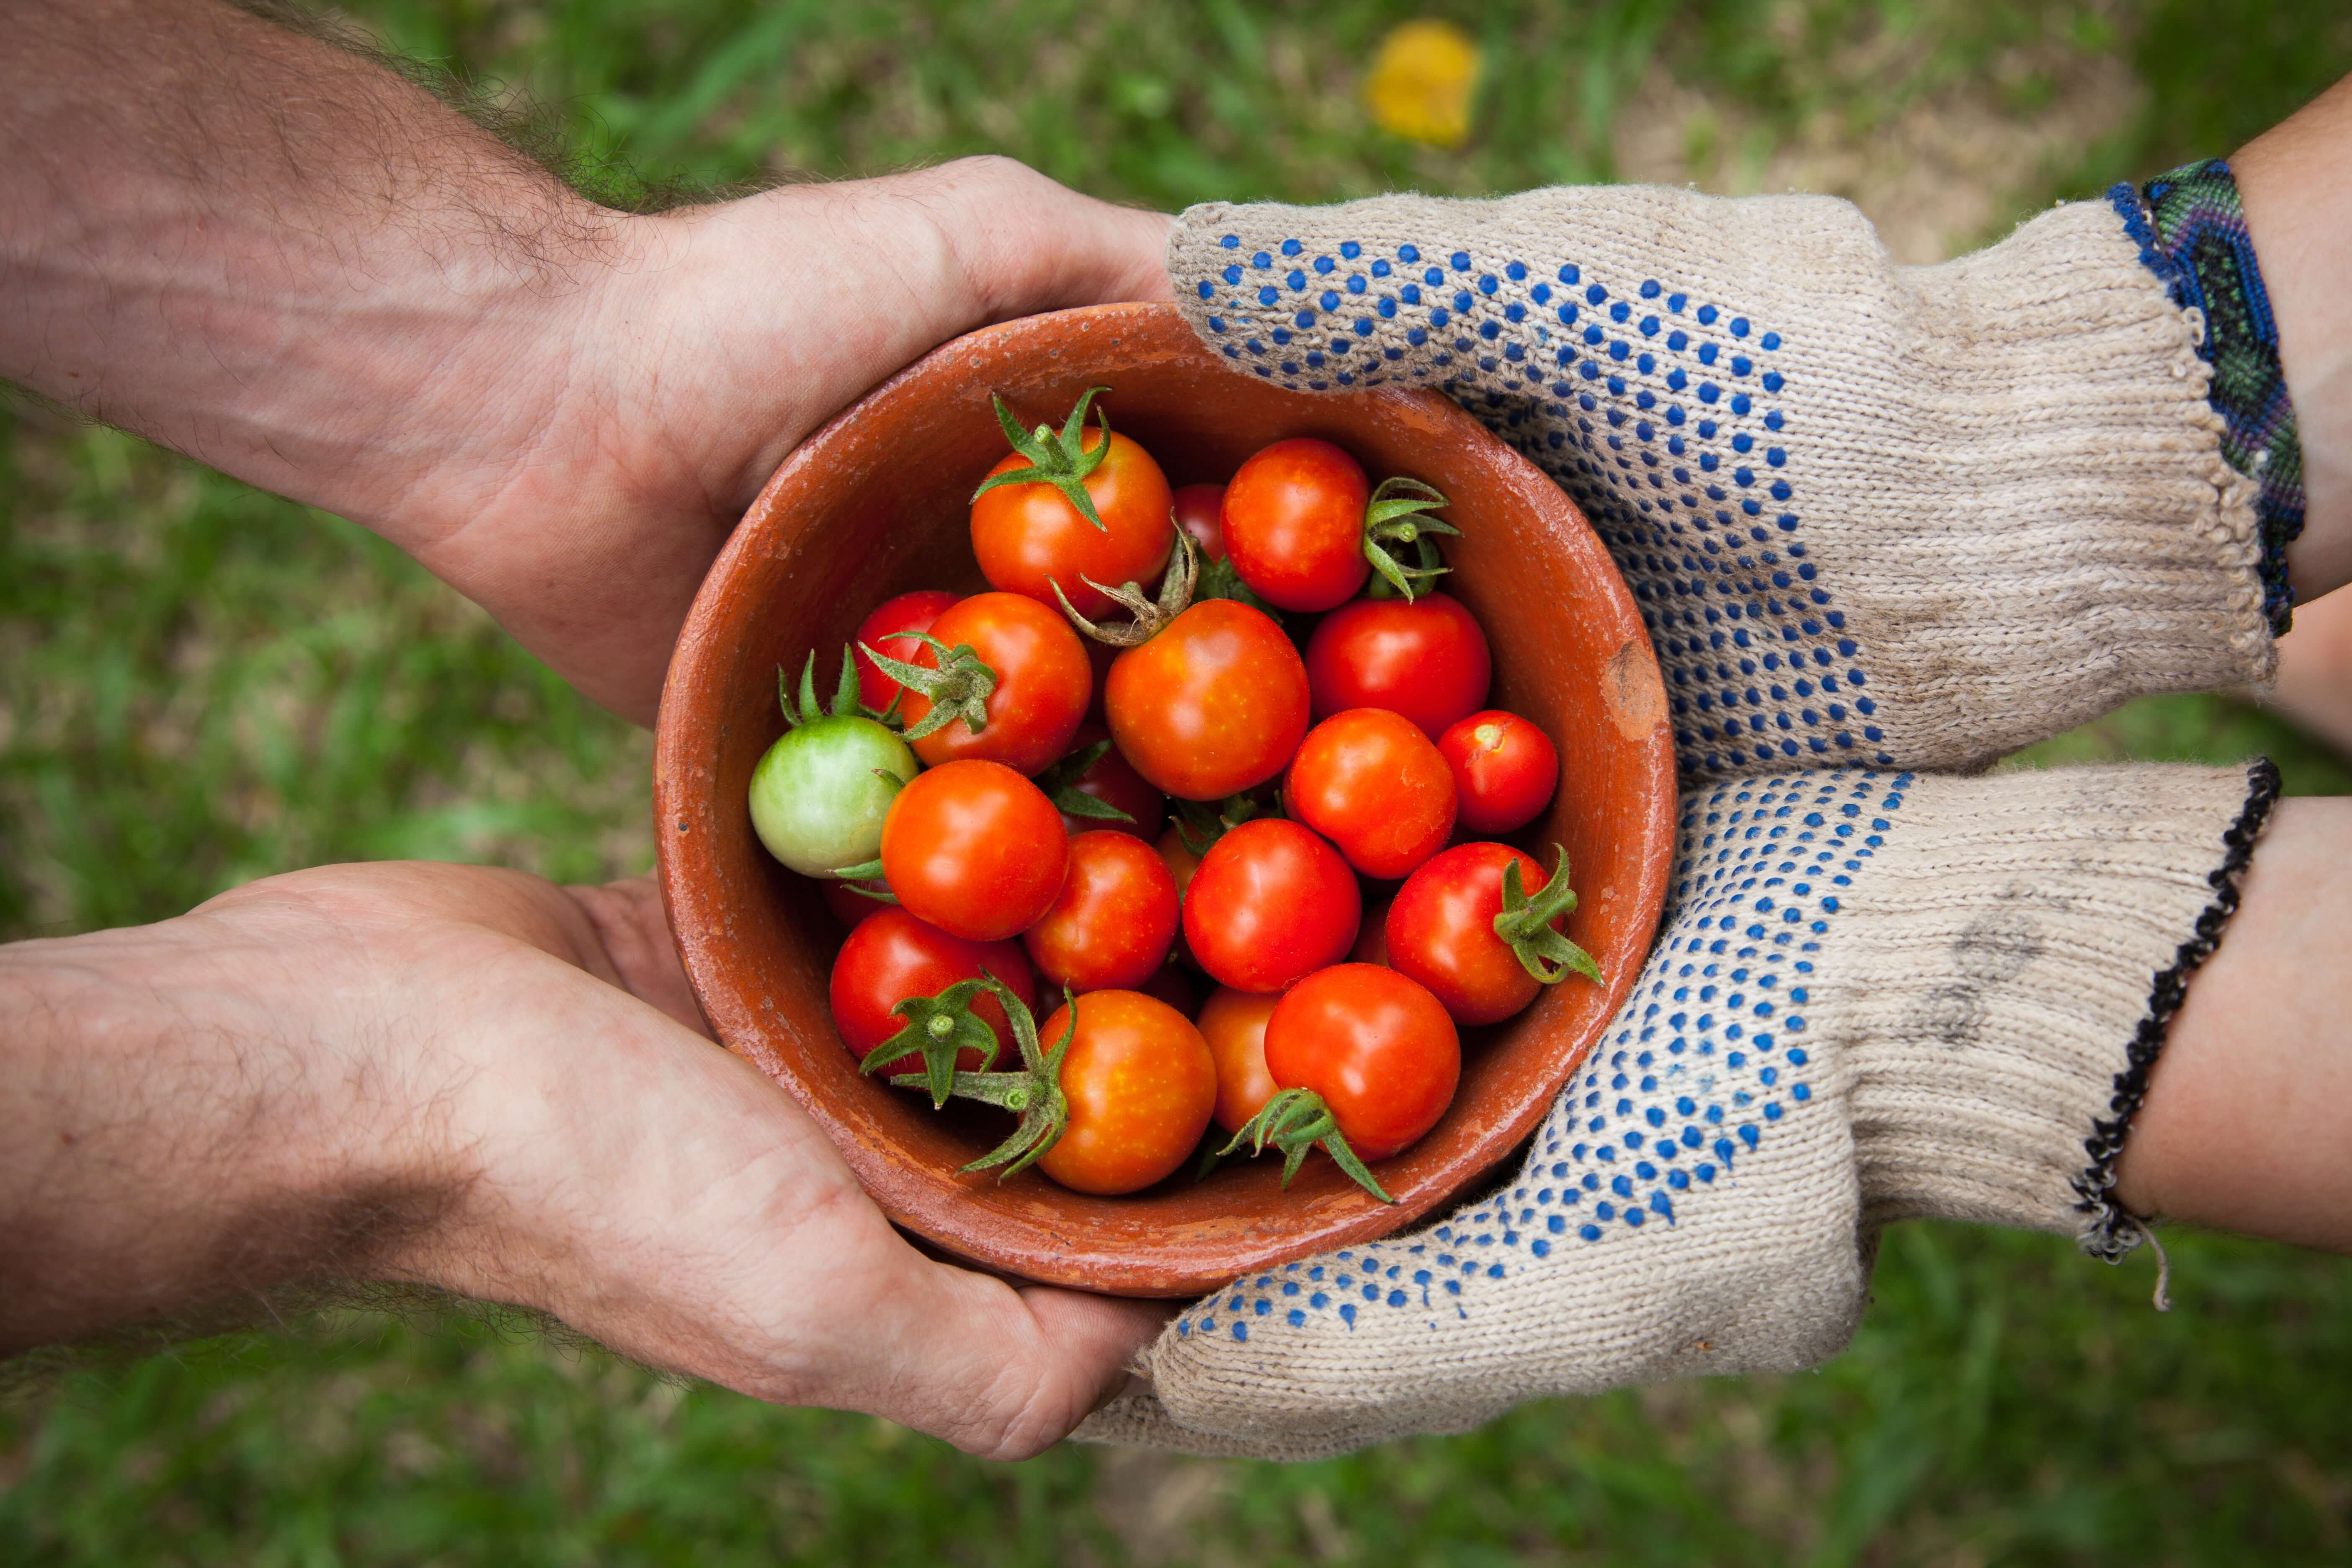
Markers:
point(876, 504)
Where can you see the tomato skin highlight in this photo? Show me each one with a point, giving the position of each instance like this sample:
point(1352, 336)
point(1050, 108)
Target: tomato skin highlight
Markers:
point(1114, 781)
point(1441, 931)
point(892, 956)
point(1213, 705)
point(1505, 771)
point(1375, 1044)
point(1028, 537)
point(975, 849)
point(1427, 660)
point(1294, 524)
point(1270, 902)
point(912, 612)
point(1233, 1023)
point(1369, 781)
point(1140, 1085)
point(1042, 684)
point(1110, 927)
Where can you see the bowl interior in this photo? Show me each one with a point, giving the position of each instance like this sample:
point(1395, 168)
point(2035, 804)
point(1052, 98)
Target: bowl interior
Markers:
point(876, 504)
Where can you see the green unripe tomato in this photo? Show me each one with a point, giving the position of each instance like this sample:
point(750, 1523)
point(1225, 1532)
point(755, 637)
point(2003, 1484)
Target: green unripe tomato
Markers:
point(816, 799)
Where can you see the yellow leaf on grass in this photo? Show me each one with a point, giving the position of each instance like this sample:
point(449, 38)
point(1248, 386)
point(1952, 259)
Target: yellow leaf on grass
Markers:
point(1421, 83)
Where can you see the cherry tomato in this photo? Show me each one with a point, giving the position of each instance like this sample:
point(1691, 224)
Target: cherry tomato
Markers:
point(1505, 770)
point(1043, 683)
point(1199, 509)
point(1174, 986)
point(1427, 660)
point(912, 612)
point(1233, 1023)
point(851, 910)
point(1181, 863)
point(974, 848)
point(1110, 928)
point(1213, 704)
point(1112, 780)
point(1441, 931)
point(1375, 1044)
point(1370, 782)
point(1270, 903)
point(1140, 1085)
point(1372, 941)
point(1029, 537)
point(1294, 524)
point(892, 956)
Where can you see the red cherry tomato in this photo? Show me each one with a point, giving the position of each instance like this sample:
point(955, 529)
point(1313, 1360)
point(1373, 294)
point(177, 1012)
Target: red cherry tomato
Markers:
point(1213, 704)
point(1427, 660)
point(1043, 683)
point(1174, 986)
point(1505, 770)
point(1375, 1044)
point(1372, 941)
point(1441, 931)
point(912, 612)
point(1270, 903)
point(1112, 780)
point(1140, 1085)
point(851, 910)
point(1233, 1023)
point(974, 848)
point(1370, 782)
point(1110, 928)
point(1293, 523)
point(1181, 863)
point(1029, 537)
point(1199, 512)
point(892, 956)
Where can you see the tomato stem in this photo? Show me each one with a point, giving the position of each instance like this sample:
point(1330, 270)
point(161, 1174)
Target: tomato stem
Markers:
point(1394, 519)
point(1295, 1121)
point(1033, 1092)
point(938, 1029)
point(805, 709)
point(1526, 925)
point(958, 688)
point(1062, 461)
point(1150, 618)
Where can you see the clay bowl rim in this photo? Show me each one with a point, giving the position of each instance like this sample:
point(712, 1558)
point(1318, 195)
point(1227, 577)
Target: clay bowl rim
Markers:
point(940, 1213)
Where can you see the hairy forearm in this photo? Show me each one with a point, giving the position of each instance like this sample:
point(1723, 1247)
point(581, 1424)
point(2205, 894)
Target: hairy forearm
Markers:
point(174, 1141)
point(273, 254)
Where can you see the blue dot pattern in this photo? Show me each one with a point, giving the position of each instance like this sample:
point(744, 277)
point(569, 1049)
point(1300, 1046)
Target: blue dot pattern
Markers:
point(1660, 411)
point(1708, 1060)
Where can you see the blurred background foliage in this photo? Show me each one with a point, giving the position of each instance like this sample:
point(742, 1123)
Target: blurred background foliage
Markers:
point(200, 684)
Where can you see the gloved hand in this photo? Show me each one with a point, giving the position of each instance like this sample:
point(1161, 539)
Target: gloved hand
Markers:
point(1878, 995)
point(1876, 517)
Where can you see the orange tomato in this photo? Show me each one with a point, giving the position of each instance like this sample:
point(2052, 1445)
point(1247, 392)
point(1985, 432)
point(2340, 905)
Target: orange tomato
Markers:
point(1141, 1085)
point(1233, 1023)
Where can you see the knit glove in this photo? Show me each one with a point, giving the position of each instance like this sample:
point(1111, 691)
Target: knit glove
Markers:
point(1874, 515)
point(1876, 996)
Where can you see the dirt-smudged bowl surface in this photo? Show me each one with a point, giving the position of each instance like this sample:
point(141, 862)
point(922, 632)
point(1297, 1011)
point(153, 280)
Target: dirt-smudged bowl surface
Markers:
point(877, 503)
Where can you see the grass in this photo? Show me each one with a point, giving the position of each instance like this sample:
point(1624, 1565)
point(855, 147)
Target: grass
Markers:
point(199, 684)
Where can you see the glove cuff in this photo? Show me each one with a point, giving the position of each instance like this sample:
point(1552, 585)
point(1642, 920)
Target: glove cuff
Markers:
point(2003, 1004)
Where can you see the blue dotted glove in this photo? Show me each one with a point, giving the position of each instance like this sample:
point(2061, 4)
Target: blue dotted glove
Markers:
point(1876, 996)
point(1874, 515)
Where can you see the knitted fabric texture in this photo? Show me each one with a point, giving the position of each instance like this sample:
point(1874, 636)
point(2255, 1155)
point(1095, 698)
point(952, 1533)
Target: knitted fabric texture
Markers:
point(1876, 996)
point(1873, 515)
point(2191, 228)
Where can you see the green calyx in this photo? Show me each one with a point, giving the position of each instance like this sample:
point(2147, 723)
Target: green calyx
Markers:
point(958, 688)
point(1150, 617)
point(1060, 459)
point(1060, 784)
point(1295, 1121)
point(802, 708)
point(1200, 823)
point(1397, 525)
point(938, 1029)
point(1034, 1092)
point(1526, 925)
point(1218, 580)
